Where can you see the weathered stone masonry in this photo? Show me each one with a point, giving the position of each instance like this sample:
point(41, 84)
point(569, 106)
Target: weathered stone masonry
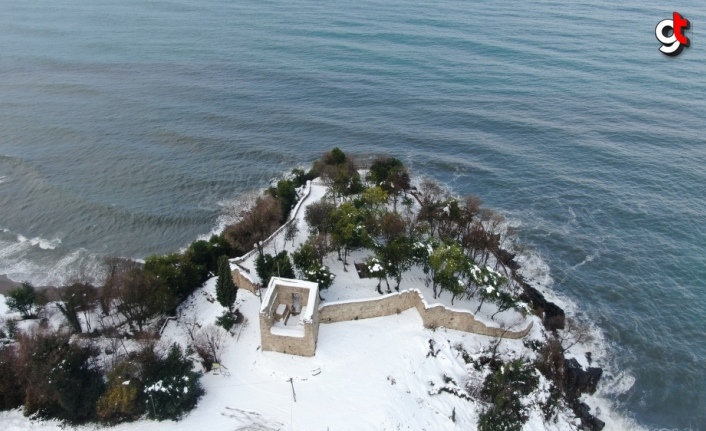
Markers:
point(434, 316)
point(302, 340)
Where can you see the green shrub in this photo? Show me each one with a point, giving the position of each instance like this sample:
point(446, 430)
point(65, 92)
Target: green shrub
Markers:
point(286, 194)
point(227, 320)
point(120, 402)
point(62, 380)
point(269, 266)
point(11, 328)
point(305, 257)
point(383, 170)
point(503, 389)
point(180, 275)
point(171, 387)
point(226, 291)
point(300, 177)
point(23, 300)
point(201, 253)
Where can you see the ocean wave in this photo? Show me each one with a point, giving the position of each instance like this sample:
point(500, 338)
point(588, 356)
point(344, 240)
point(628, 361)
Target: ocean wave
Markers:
point(43, 262)
point(615, 381)
point(44, 244)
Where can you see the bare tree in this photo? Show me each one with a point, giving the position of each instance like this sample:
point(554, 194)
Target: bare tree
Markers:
point(140, 296)
point(431, 196)
point(190, 326)
point(257, 222)
point(318, 217)
point(575, 332)
point(341, 178)
point(497, 340)
point(114, 268)
point(291, 231)
point(209, 342)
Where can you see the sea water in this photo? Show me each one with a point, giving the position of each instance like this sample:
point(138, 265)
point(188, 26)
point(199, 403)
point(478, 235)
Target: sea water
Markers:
point(127, 128)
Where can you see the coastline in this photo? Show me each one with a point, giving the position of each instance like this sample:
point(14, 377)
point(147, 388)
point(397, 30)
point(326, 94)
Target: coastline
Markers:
point(582, 378)
point(6, 284)
point(51, 293)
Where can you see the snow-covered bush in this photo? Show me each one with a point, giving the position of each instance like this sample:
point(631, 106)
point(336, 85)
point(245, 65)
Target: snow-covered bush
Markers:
point(321, 275)
point(309, 266)
point(503, 389)
point(60, 379)
point(120, 402)
point(171, 387)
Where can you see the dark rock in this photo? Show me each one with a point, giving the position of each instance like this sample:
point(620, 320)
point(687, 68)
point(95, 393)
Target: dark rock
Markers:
point(533, 296)
point(588, 421)
point(508, 259)
point(554, 317)
point(579, 381)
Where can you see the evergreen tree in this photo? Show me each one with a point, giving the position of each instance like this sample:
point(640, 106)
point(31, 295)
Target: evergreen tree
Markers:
point(171, 387)
point(269, 266)
point(226, 290)
point(23, 300)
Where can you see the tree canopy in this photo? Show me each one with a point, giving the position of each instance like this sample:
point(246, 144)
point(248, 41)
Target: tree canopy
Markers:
point(226, 290)
point(23, 300)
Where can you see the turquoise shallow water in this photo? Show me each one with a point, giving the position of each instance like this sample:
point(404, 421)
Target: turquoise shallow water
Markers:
point(125, 127)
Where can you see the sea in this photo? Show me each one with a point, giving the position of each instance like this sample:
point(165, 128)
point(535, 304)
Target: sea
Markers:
point(133, 127)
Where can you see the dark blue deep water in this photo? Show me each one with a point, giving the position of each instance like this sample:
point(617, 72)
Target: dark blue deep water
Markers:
point(127, 126)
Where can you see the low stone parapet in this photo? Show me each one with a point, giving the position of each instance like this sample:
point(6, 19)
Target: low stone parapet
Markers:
point(433, 316)
point(243, 281)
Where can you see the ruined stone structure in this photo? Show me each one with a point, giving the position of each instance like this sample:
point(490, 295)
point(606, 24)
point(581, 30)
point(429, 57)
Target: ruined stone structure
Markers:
point(290, 315)
point(434, 316)
point(242, 279)
point(289, 318)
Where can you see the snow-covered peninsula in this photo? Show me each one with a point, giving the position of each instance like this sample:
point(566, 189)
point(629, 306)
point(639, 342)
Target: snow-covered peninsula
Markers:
point(363, 237)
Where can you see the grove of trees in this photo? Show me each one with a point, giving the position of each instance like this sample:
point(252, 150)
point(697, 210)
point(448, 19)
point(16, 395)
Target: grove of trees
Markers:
point(453, 240)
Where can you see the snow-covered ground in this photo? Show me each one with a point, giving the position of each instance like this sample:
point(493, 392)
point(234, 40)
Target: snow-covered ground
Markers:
point(374, 374)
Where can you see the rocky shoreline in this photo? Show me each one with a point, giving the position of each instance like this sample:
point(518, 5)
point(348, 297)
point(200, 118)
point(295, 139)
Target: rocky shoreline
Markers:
point(567, 373)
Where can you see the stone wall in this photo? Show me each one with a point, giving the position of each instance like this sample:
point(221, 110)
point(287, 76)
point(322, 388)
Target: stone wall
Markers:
point(433, 316)
point(292, 218)
point(243, 281)
point(240, 276)
point(302, 346)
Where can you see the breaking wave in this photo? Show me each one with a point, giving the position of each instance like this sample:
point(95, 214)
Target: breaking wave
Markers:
point(44, 262)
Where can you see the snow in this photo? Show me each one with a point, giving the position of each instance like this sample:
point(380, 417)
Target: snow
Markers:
point(372, 374)
point(287, 330)
point(307, 310)
point(3, 306)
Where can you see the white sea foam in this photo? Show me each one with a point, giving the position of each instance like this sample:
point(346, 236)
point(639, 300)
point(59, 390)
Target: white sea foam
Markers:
point(588, 259)
point(44, 244)
point(43, 262)
point(536, 272)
